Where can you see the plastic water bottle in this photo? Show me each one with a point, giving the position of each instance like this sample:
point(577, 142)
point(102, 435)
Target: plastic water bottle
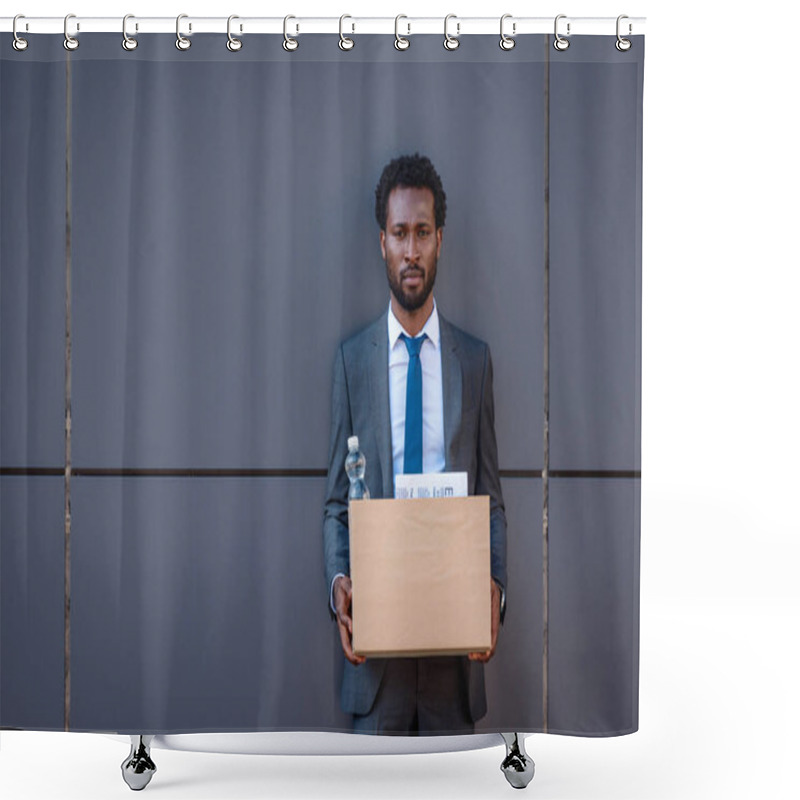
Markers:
point(354, 466)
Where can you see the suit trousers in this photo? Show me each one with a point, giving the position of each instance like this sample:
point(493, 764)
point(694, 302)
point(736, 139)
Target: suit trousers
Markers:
point(419, 696)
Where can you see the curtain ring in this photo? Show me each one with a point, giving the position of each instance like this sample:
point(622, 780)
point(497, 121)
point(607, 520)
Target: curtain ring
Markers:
point(507, 42)
point(233, 44)
point(182, 43)
point(289, 44)
point(623, 44)
point(19, 43)
point(344, 42)
point(70, 42)
point(560, 43)
point(400, 42)
point(451, 42)
point(128, 42)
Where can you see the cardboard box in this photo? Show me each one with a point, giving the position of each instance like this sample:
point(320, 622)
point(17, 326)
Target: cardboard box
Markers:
point(421, 573)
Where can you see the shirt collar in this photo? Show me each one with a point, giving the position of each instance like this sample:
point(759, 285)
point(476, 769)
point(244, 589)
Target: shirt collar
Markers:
point(431, 327)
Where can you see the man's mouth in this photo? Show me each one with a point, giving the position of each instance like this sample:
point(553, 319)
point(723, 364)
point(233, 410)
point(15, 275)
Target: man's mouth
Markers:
point(412, 278)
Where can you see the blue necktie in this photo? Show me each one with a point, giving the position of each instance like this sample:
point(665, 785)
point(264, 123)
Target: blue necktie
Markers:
point(412, 459)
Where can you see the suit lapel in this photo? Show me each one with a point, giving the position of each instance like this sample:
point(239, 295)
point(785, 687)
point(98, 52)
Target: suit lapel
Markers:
point(451, 389)
point(379, 395)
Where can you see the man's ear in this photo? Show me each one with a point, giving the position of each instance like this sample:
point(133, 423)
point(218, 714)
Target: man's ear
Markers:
point(439, 241)
point(383, 244)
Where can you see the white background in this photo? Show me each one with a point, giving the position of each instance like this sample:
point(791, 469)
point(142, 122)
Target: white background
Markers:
point(720, 610)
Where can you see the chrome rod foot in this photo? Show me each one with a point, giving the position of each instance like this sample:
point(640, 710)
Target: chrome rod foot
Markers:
point(517, 766)
point(138, 768)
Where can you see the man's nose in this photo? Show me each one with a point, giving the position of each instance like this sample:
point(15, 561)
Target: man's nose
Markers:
point(412, 248)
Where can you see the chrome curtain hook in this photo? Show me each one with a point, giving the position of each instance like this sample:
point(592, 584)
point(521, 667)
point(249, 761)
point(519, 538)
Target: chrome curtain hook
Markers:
point(623, 44)
point(70, 42)
point(400, 42)
point(182, 43)
point(507, 42)
point(128, 42)
point(289, 44)
point(344, 42)
point(233, 44)
point(19, 43)
point(451, 42)
point(560, 43)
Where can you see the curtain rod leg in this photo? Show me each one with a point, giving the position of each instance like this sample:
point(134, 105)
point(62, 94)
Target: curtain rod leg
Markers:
point(138, 768)
point(517, 766)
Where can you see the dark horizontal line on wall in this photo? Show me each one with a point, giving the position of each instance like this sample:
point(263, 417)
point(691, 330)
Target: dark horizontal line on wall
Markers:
point(32, 471)
point(520, 473)
point(595, 473)
point(134, 472)
point(201, 473)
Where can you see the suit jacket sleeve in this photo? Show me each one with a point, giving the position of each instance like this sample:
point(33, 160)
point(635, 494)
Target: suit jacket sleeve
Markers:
point(335, 520)
point(487, 479)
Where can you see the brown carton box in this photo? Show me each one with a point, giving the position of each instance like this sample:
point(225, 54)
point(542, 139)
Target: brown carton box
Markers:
point(421, 576)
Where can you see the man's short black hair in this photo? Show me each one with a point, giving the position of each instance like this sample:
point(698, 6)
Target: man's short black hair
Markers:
point(414, 172)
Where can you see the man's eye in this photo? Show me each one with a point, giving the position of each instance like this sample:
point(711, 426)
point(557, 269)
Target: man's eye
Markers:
point(423, 233)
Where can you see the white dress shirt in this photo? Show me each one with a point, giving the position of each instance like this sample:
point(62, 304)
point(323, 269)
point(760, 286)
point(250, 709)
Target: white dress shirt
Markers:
point(430, 357)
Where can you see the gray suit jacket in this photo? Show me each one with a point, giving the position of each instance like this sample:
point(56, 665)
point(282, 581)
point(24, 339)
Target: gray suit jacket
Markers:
point(360, 407)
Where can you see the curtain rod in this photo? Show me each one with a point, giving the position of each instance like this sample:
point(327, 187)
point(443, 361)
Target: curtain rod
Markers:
point(406, 26)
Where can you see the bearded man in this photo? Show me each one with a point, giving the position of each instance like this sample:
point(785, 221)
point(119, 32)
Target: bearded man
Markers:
point(417, 391)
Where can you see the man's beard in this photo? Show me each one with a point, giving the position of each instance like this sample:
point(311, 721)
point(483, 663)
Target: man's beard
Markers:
point(408, 301)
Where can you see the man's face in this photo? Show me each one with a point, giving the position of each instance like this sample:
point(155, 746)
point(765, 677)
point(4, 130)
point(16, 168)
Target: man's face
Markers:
point(410, 245)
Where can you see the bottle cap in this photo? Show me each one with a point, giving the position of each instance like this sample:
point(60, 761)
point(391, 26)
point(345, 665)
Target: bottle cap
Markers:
point(352, 443)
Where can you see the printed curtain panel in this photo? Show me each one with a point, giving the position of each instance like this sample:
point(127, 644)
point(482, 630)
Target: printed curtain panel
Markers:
point(187, 240)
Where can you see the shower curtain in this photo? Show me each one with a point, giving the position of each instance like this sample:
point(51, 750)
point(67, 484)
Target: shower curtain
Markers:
point(186, 239)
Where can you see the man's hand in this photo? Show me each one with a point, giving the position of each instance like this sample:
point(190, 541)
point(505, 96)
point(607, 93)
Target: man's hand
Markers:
point(343, 600)
point(484, 657)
